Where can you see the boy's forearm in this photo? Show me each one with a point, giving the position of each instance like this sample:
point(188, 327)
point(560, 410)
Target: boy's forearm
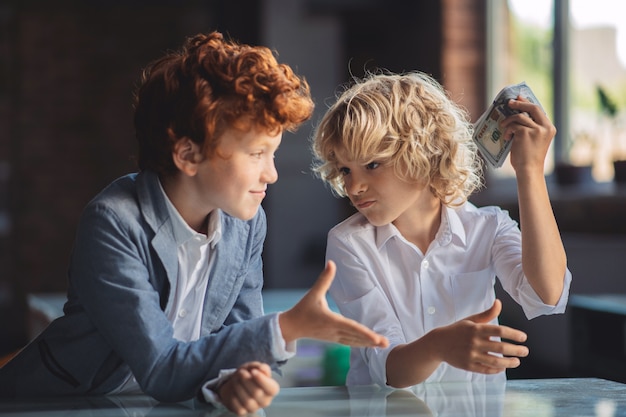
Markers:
point(411, 363)
point(543, 256)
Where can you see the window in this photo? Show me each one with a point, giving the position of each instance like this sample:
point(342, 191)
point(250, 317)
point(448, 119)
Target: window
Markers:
point(572, 53)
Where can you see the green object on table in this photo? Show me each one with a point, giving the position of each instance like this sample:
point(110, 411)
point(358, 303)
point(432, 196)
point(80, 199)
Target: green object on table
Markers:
point(335, 364)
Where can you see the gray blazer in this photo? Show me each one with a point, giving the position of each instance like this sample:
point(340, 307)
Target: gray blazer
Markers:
point(123, 265)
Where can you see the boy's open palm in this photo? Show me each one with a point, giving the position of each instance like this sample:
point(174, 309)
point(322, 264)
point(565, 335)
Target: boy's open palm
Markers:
point(312, 318)
point(469, 344)
point(249, 388)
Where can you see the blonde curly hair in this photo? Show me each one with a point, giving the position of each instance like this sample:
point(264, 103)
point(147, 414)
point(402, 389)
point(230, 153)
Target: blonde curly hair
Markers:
point(408, 121)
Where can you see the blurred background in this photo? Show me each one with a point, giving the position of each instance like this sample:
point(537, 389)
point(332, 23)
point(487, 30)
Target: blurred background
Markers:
point(68, 70)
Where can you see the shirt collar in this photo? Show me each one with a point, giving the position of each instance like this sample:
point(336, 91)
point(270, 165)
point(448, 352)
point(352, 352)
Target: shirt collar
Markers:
point(183, 233)
point(451, 225)
point(384, 233)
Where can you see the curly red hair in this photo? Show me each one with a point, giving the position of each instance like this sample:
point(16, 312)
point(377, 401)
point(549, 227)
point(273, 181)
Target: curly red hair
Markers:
point(210, 85)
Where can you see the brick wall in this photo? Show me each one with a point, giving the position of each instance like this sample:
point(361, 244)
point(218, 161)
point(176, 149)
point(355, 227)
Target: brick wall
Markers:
point(464, 53)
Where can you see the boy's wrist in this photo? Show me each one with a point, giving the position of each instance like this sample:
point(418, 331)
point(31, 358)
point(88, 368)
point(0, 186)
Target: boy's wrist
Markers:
point(210, 391)
point(430, 347)
point(287, 325)
point(281, 348)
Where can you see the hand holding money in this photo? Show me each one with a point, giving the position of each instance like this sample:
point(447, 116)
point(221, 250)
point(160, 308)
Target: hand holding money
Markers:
point(487, 133)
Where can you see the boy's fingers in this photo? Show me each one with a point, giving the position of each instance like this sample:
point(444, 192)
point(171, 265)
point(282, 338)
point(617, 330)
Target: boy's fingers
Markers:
point(267, 384)
point(489, 314)
point(325, 279)
point(264, 369)
point(534, 111)
point(357, 335)
point(512, 334)
point(499, 363)
point(251, 393)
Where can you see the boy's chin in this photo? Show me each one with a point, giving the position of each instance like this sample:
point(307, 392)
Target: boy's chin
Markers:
point(377, 222)
point(244, 215)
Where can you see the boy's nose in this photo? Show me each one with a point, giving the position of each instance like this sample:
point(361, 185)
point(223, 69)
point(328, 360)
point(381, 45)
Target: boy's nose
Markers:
point(354, 187)
point(270, 174)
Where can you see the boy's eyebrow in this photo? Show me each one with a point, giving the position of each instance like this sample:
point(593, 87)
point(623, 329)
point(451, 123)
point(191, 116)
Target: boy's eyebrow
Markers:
point(263, 143)
point(374, 158)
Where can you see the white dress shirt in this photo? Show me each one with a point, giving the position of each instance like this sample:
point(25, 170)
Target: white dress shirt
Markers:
point(194, 263)
point(389, 285)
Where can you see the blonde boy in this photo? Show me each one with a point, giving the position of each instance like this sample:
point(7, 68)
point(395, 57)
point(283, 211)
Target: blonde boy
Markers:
point(418, 262)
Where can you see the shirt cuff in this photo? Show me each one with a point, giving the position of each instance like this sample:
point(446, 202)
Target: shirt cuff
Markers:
point(534, 307)
point(209, 389)
point(280, 349)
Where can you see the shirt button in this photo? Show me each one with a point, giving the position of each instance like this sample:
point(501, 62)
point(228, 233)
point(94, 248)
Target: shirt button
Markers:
point(182, 313)
point(425, 264)
point(431, 310)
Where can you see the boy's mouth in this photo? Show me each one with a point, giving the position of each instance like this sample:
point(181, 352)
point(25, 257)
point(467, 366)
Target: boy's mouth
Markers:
point(258, 193)
point(363, 204)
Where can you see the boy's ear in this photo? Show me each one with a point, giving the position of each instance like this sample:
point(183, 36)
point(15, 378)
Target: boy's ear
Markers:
point(186, 155)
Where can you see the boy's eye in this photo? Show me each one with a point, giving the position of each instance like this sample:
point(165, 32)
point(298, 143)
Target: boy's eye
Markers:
point(344, 171)
point(372, 165)
point(257, 154)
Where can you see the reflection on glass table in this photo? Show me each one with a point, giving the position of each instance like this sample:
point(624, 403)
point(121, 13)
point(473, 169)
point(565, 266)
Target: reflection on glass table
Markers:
point(589, 397)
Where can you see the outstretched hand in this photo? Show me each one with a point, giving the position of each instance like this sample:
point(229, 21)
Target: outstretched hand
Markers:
point(249, 388)
point(312, 318)
point(475, 345)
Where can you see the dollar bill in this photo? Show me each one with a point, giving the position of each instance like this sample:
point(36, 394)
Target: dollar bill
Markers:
point(487, 133)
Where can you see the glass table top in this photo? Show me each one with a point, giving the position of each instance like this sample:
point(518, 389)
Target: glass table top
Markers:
point(571, 397)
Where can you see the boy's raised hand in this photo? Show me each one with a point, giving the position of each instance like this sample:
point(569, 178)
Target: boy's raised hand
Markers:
point(468, 344)
point(249, 388)
point(531, 131)
point(312, 318)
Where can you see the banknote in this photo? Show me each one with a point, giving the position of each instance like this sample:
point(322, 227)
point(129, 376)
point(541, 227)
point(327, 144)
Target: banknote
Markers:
point(487, 132)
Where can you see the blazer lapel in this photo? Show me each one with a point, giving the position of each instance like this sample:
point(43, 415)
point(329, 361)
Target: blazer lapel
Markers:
point(226, 272)
point(155, 212)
